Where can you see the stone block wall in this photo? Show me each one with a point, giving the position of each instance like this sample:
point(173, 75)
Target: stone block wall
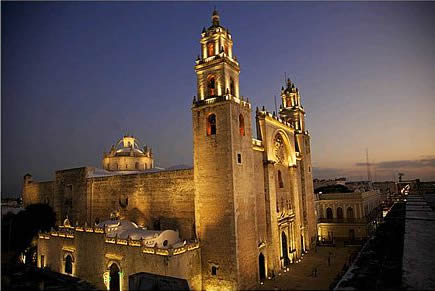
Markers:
point(93, 256)
point(161, 200)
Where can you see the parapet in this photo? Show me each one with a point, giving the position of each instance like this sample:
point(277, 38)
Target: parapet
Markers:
point(218, 99)
point(70, 232)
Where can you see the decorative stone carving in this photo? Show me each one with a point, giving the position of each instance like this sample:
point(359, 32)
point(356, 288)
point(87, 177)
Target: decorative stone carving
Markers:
point(279, 149)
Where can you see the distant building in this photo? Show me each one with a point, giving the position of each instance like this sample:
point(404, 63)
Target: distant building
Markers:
point(327, 182)
point(359, 186)
point(11, 205)
point(347, 216)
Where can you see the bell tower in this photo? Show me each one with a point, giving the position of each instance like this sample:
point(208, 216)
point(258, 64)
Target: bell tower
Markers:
point(223, 167)
point(217, 69)
point(291, 109)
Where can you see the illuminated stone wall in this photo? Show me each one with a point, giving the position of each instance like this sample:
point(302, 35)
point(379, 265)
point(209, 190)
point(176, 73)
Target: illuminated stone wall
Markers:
point(162, 199)
point(93, 254)
point(38, 192)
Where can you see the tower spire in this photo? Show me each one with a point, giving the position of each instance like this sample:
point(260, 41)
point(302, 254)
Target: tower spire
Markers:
point(215, 18)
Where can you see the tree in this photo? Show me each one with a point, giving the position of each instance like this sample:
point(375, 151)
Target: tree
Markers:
point(19, 230)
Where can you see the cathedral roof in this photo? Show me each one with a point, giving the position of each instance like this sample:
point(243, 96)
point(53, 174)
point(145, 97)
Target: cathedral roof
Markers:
point(125, 229)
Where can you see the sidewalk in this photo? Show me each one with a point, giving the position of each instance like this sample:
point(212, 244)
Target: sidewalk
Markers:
point(300, 276)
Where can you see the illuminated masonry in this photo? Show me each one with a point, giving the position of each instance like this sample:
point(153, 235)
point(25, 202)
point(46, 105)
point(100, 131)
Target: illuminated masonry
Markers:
point(244, 212)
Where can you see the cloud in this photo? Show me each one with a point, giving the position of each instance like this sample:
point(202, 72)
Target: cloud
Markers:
point(422, 163)
point(328, 173)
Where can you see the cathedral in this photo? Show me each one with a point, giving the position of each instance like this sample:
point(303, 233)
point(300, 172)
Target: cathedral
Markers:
point(242, 214)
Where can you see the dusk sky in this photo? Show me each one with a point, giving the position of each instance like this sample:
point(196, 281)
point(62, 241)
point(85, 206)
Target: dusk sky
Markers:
point(77, 76)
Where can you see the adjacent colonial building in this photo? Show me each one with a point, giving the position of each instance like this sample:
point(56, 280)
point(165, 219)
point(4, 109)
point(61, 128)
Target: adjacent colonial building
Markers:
point(348, 216)
point(244, 211)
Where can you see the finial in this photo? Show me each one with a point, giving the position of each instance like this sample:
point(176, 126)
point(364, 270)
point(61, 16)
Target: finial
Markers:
point(263, 109)
point(247, 99)
point(282, 88)
point(194, 98)
point(256, 108)
point(198, 58)
point(273, 114)
point(288, 83)
point(203, 30)
point(215, 17)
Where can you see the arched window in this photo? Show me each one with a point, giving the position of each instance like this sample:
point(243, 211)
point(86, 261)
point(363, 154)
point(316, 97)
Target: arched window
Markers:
point(232, 91)
point(210, 49)
point(137, 165)
point(68, 264)
point(349, 213)
point(328, 213)
point(280, 182)
point(339, 213)
point(241, 125)
point(211, 86)
point(211, 124)
point(226, 49)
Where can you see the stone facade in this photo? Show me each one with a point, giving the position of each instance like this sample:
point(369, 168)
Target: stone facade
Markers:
point(249, 203)
point(131, 257)
point(348, 216)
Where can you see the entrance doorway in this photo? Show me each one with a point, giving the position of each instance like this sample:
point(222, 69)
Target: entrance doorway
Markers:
point(114, 277)
point(286, 260)
point(262, 267)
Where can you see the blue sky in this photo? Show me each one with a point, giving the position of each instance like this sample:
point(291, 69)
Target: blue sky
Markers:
point(76, 76)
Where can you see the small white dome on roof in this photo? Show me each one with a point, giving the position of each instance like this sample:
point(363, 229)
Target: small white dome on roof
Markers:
point(125, 229)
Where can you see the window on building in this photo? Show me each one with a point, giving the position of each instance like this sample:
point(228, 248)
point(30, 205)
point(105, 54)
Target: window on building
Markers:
point(137, 165)
point(68, 264)
point(328, 213)
point(241, 125)
point(350, 214)
point(239, 158)
point(226, 49)
point(165, 243)
point(211, 124)
point(232, 91)
point(213, 270)
point(42, 261)
point(339, 213)
point(211, 86)
point(280, 181)
point(210, 49)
